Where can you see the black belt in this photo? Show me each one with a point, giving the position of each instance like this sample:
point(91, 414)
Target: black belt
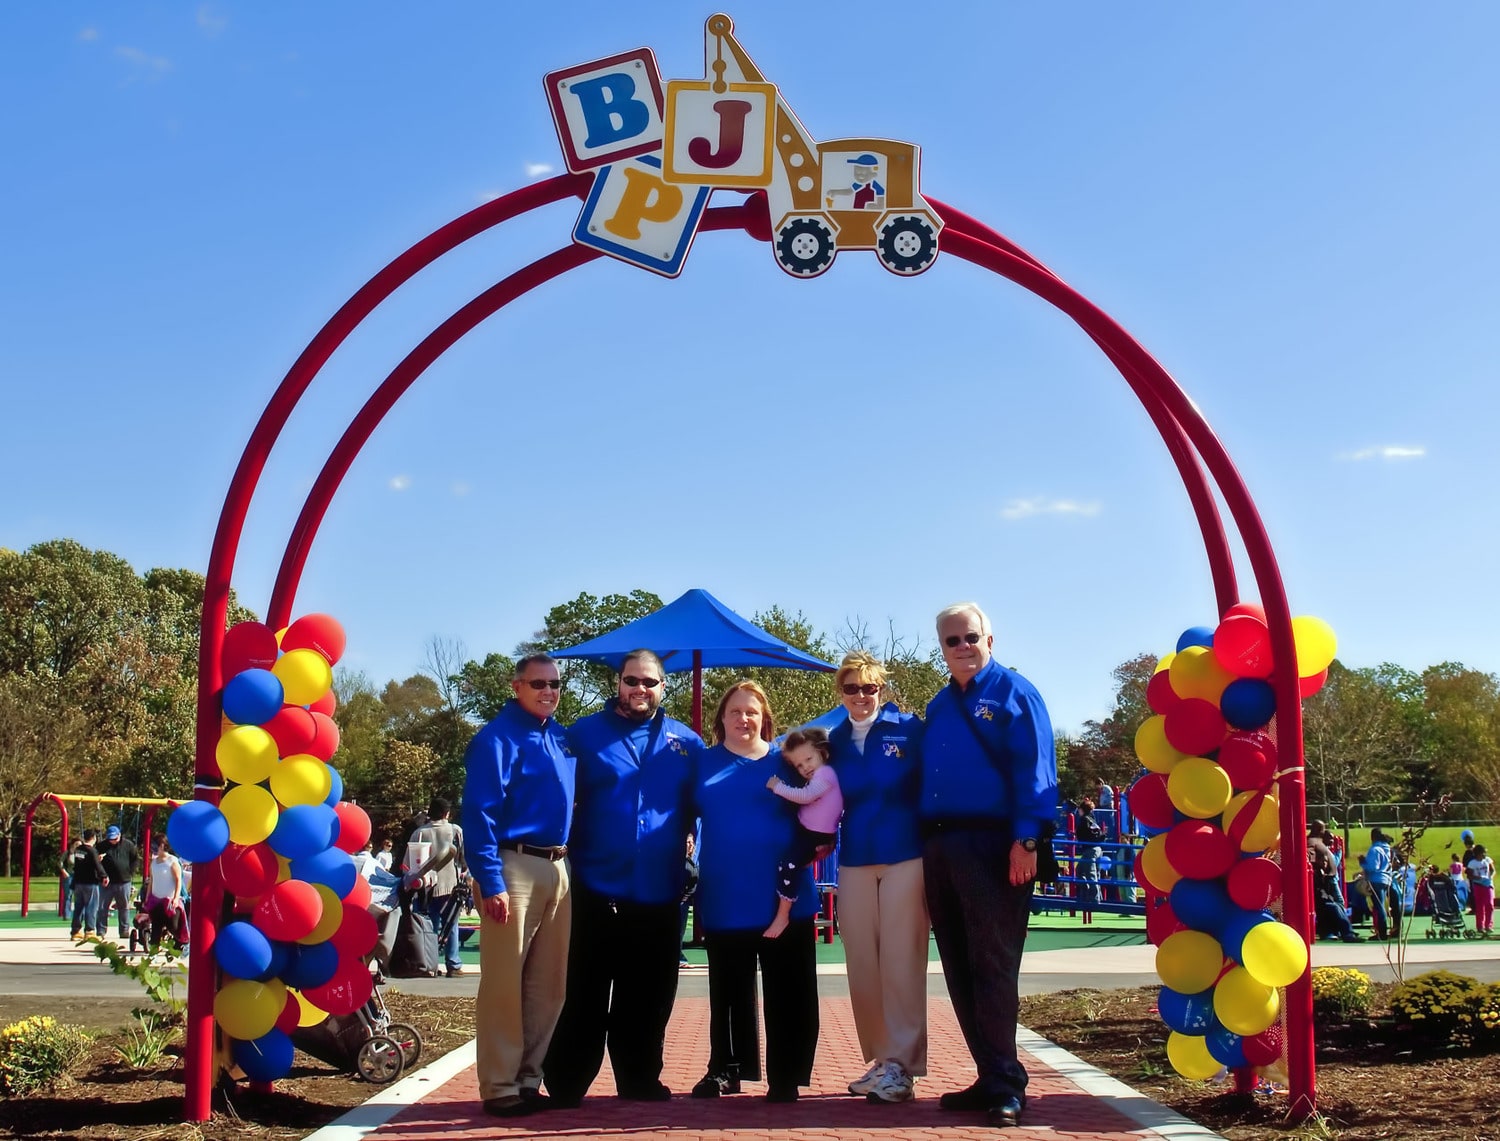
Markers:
point(544, 851)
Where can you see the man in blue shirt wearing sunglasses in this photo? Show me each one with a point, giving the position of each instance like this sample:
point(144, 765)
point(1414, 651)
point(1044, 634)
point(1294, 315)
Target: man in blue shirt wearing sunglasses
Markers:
point(989, 788)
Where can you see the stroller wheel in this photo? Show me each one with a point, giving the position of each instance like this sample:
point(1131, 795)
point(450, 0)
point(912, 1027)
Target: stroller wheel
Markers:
point(380, 1060)
point(409, 1040)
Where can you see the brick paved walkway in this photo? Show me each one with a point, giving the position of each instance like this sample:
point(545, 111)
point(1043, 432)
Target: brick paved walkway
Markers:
point(1058, 1106)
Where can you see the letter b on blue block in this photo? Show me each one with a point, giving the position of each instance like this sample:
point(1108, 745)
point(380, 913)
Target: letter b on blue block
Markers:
point(607, 110)
point(611, 112)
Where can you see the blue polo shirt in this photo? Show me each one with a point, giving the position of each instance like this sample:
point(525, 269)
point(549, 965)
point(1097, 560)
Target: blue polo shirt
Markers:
point(960, 780)
point(881, 789)
point(746, 828)
point(634, 805)
point(518, 788)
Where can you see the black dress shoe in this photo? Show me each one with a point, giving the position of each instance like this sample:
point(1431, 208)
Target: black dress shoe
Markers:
point(656, 1091)
point(1005, 1114)
point(511, 1105)
point(969, 1098)
point(713, 1085)
point(782, 1094)
point(536, 1099)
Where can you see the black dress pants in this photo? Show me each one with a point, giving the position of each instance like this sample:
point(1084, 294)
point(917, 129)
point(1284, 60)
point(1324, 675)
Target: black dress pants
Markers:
point(789, 969)
point(622, 982)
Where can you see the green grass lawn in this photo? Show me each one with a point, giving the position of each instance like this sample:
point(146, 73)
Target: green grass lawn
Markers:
point(43, 891)
point(1436, 842)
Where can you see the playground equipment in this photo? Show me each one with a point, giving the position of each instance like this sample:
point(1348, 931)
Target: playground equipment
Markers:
point(62, 800)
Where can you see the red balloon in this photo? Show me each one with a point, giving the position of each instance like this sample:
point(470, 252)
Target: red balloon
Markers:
point(348, 990)
point(325, 740)
point(1253, 609)
point(1307, 686)
point(1195, 727)
point(354, 826)
point(1264, 1049)
point(1242, 645)
point(315, 632)
point(357, 933)
point(1200, 850)
point(289, 911)
point(1160, 695)
point(248, 871)
point(247, 646)
point(1161, 920)
point(325, 704)
point(1149, 802)
point(290, 1015)
point(293, 729)
point(359, 894)
point(1255, 884)
point(1249, 759)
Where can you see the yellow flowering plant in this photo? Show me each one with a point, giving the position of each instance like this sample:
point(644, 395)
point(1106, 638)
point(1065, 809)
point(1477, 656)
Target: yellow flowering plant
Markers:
point(36, 1051)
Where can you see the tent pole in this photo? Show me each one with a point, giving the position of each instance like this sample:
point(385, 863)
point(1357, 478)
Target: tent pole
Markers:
point(698, 692)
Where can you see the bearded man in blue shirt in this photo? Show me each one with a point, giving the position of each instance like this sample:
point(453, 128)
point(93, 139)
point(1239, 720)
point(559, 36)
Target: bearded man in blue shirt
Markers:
point(989, 787)
point(629, 858)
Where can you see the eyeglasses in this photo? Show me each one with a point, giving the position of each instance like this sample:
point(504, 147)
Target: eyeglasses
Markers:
point(644, 682)
point(868, 690)
point(953, 640)
point(543, 683)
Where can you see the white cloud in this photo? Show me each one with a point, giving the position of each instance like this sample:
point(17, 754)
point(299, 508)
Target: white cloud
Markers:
point(1040, 505)
point(1386, 452)
point(211, 19)
point(461, 489)
point(154, 64)
point(538, 169)
point(399, 482)
point(89, 34)
point(487, 196)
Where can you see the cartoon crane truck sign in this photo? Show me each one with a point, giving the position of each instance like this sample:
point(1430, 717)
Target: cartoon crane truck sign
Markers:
point(658, 154)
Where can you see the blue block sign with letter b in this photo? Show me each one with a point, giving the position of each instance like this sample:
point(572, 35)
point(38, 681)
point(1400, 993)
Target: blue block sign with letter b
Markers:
point(607, 110)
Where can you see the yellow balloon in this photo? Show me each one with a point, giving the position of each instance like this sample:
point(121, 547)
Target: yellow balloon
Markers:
point(333, 915)
point(1274, 954)
point(1189, 961)
point(1159, 870)
point(301, 779)
point(1198, 788)
point(247, 1009)
point(1163, 663)
point(1195, 672)
point(1261, 833)
point(1316, 644)
point(1189, 1056)
point(1152, 748)
point(1243, 1005)
point(251, 811)
point(309, 1014)
point(283, 868)
point(246, 754)
point(305, 676)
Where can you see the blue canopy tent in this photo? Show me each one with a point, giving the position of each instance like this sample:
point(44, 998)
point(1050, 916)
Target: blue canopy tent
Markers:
point(695, 632)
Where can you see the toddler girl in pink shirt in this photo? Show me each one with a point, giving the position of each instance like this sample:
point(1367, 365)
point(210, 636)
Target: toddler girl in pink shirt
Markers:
point(822, 803)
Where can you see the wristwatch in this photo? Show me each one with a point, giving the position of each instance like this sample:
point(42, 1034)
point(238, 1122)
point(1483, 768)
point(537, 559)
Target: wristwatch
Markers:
point(1028, 844)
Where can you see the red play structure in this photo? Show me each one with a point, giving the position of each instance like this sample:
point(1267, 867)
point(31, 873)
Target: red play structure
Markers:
point(62, 800)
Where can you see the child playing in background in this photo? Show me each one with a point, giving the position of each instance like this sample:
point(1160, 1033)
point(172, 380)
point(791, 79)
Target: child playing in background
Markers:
point(822, 803)
point(1482, 888)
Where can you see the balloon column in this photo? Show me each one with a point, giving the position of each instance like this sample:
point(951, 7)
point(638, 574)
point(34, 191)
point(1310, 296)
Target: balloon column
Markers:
point(284, 838)
point(1208, 802)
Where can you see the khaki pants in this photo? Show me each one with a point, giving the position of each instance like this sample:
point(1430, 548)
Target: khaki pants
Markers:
point(884, 926)
point(523, 971)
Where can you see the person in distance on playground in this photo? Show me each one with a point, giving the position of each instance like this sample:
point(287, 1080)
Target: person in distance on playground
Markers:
point(517, 812)
point(122, 863)
point(631, 824)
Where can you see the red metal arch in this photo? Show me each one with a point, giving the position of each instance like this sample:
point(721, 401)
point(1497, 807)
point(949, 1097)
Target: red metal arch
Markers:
point(1182, 428)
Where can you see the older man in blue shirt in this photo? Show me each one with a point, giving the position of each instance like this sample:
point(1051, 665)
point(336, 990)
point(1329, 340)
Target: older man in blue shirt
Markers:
point(518, 808)
point(989, 787)
point(629, 857)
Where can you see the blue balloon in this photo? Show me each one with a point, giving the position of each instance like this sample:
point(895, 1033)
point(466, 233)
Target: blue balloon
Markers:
point(336, 793)
point(1186, 1013)
point(330, 867)
point(1196, 636)
point(1248, 702)
point(198, 831)
point(1203, 905)
point(243, 951)
point(1236, 926)
point(266, 1058)
point(1226, 1047)
point(304, 830)
point(253, 697)
point(311, 965)
point(281, 953)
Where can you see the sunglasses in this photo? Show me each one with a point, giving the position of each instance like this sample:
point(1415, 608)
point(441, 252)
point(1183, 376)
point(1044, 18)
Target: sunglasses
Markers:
point(643, 682)
point(867, 689)
point(543, 683)
point(953, 640)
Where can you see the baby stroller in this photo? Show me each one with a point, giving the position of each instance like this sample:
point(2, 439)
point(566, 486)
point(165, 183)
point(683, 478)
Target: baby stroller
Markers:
point(366, 1042)
point(1447, 916)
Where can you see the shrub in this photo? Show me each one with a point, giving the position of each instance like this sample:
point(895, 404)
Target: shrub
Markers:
point(1489, 1014)
point(1339, 994)
point(36, 1051)
point(1441, 1005)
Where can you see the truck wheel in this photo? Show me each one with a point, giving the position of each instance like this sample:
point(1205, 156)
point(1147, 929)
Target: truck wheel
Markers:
point(906, 244)
point(804, 247)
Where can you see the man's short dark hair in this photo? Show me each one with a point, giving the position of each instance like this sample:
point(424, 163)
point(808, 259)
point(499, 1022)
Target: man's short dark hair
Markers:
point(89, 835)
point(643, 655)
point(439, 807)
point(533, 659)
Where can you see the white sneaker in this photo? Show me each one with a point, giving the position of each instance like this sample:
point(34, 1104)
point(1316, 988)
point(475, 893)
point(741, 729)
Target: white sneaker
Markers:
point(895, 1084)
point(861, 1086)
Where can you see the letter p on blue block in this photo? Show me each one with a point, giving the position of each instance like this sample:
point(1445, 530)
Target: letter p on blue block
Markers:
point(608, 109)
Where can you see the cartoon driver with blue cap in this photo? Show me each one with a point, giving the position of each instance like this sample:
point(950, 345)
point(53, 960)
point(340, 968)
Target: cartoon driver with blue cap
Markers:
point(866, 192)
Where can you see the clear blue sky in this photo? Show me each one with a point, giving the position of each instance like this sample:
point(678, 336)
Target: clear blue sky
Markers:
point(1293, 206)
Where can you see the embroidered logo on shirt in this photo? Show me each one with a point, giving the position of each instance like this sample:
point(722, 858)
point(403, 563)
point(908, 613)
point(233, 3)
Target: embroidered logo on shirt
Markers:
point(984, 713)
point(893, 750)
point(676, 744)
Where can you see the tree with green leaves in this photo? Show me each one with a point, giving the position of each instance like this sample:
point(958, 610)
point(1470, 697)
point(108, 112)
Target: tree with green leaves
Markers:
point(1358, 738)
point(586, 685)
